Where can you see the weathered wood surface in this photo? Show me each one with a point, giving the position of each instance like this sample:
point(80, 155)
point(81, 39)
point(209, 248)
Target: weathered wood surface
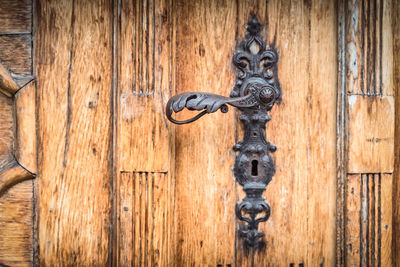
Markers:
point(144, 224)
point(369, 220)
point(15, 16)
point(104, 74)
point(204, 157)
point(6, 125)
point(370, 130)
point(17, 137)
point(299, 31)
point(7, 85)
point(25, 127)
point(396, 176)
point(371, 134)
point(73, 60)
point(17, 108)
point(16, 53)
point(16, 225)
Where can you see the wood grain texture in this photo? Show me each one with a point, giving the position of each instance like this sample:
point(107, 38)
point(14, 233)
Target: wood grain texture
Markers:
point(302, 192)
point(143, 216)
point(371, 125)
point(144, 143)
point(7, 85)
point(341, 135)
point(12, 173)
point(371, 134)
point(15, 16)
point(204, 181)
point(73, 58)
point(25, 127)
point(16, 53)
point(6, 125)
point(16, 205)
point(16, 225)
point(395, 7)
point(369, 47)
point(368, 220)
point(143, 86)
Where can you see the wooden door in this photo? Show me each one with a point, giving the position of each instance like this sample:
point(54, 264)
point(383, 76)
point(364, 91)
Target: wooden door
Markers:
point(93, 174)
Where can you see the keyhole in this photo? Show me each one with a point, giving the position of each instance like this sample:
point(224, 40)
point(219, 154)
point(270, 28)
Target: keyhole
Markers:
point(254, 167)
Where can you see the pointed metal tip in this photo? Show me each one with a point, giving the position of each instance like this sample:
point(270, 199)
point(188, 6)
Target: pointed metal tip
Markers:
point(253, 26)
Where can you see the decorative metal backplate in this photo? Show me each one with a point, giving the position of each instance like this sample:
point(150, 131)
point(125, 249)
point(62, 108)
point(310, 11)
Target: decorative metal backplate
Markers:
point(255, 92)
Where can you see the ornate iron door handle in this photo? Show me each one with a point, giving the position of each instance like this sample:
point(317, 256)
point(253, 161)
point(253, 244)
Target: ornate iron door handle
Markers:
point(255, 92)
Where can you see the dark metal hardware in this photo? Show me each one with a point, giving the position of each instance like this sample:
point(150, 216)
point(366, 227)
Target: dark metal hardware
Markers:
point(255, 92)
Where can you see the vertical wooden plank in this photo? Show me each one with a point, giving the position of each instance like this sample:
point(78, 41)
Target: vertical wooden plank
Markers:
point(143, 86)
point(161, 229)
point(321, 131)
point(288, 191)
point(143, 220)
point(137, 178)
point(354, 44)
point(371, 120)
point(125, 220)
point(395, 7)
point(364, 220)
point(144, 141)
point(341, 136)
point(73, 68)
point(299, 31)
point(368, 220)
point(389, 30)
point(387, 251)
point(204, 156)
point(353, 223)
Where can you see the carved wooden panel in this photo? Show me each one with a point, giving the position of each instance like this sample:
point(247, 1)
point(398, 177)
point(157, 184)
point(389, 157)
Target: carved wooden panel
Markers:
point(17, 134)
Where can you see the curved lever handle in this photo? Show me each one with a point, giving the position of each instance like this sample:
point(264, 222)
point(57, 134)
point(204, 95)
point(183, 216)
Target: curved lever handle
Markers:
point(207, 102)
point(255, 92)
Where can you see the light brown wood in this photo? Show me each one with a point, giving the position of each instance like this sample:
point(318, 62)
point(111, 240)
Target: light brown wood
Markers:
point(143, 219)
point(16, 205)
point(11, 173)
point(15, 16)
point(6, 125)
point(144, 232)
point(143, 89)
point(16, 225)
point(120, 185)
point(74, 78)
point(25, 124)
point(369, 219)
point(204, 158)
point(300, 31)
point(371, 134)
point(7, 85)
point(396, 175)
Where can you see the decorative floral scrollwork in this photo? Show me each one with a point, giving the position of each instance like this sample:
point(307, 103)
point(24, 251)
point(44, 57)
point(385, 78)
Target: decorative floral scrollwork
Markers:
point(255, 92)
